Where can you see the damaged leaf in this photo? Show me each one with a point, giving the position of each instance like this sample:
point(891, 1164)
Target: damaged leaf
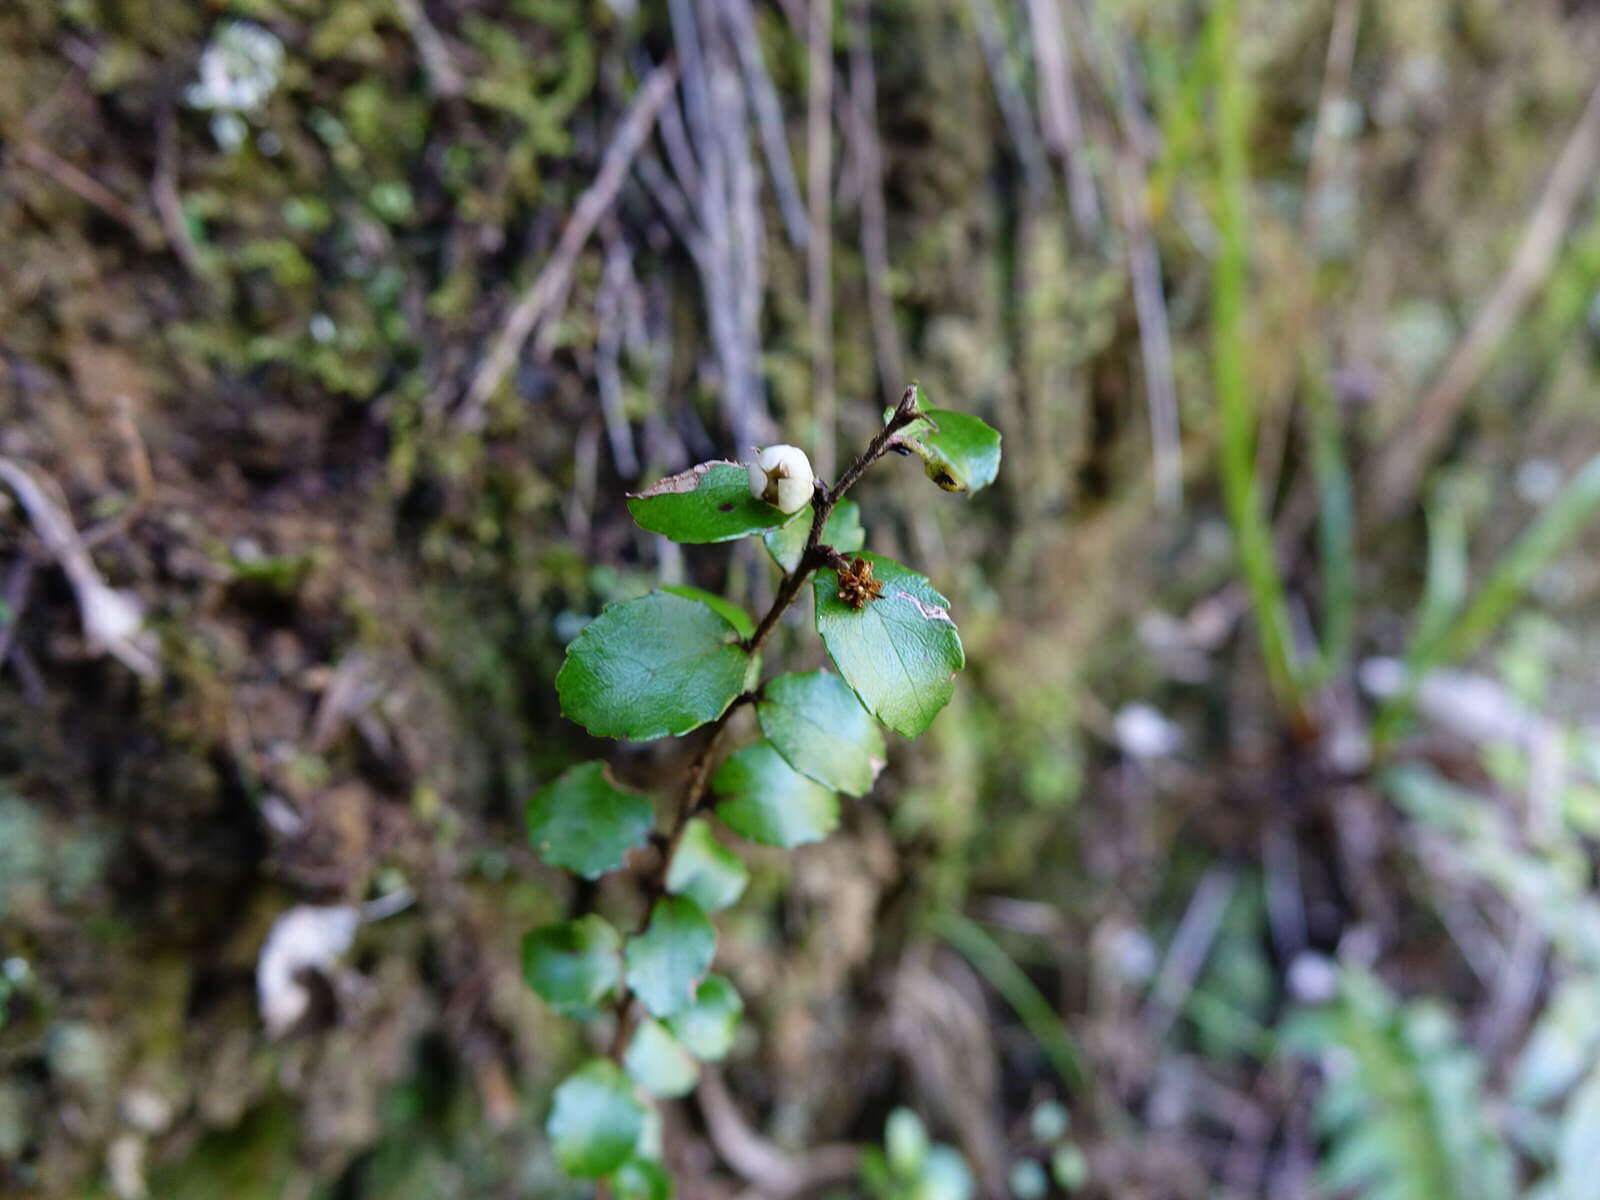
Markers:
point(899, 653)
point(707, 503)
point(959, 452)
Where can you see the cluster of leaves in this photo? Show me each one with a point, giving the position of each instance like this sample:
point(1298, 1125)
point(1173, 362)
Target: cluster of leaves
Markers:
point(912, 1167)
point(1049, 1124)
point(679, 659)
point(1403, 1105)
point(1410, 1108)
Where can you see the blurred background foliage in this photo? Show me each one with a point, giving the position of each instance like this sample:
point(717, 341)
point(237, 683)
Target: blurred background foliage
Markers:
point(1255, 855)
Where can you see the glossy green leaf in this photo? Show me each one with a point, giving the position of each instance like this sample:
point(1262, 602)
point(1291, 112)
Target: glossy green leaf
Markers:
point(900, 652)
point(654, 667)
point(658, 1062)
point(573, 965)
point(666, 962)
point(817, 724)
point(731, 612)
point(595, 1121)
point(641, 1179)
point(843, 532)
point(705, 870)
point(586, 823)
point(707, 503)
point(707, 1026)
point(768, 801)
point(959, 452)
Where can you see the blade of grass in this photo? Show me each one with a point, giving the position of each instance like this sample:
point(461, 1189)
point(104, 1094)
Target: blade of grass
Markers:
point(1335, 522)
point(1229, 361)
point(1438, 641)
point(1013, 984)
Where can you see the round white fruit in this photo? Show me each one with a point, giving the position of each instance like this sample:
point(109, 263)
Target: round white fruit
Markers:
point(781, 475)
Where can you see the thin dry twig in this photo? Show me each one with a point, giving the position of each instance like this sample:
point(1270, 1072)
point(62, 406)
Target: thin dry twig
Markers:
point(431, 48)
point(1059, 115)
point(773, 1174)
point(166, 197)
point(1570, 180)
point(112, 620)
point(819, 267)
point(1001, 67)
point(1190, 946)
point(1335, 85)
point(610, 328)
point(1155, 339)
point(874, 220)
point(769, 120)
point(538, 301)
point(87, 188)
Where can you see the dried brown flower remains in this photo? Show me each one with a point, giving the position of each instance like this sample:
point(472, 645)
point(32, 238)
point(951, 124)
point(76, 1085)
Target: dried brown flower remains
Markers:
point(856, 585)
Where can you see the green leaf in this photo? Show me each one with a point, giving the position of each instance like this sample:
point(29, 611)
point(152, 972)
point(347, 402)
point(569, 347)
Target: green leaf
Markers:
point(653, 667)
point(586, 823)
point(819, 726)
point(595, 1122)
point(730, 612)
point(573, 965)
point(667, 960)
point(959, 452)
point(707, 1026)
point(658, 1063)
point(705, 870)
point(708, 503)
point(843, 532)
point(768, 801)
point(900, 652)
point(905, 1139)
point(641, 1179)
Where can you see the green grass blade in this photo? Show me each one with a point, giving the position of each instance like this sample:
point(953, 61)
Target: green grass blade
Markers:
point(995, 965)
point(1335, 523)
point(1229, 359)
point(1438, 642)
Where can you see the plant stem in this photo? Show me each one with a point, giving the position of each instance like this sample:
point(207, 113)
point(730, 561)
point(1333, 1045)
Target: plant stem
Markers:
point(816, 554)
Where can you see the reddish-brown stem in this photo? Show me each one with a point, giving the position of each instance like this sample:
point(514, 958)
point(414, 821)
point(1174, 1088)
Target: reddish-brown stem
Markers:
point(816, 554)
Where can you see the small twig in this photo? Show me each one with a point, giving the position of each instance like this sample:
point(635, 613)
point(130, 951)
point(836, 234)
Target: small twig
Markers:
point(431, 47)
point(87, 188)
point(1059, 116)
point(18, 582)
point(536, 302)
point(168, 200)
point(1187, 954)
point(1570, 180)
point(874, 221)
point(609, 329)
point(1335, 83)
point(769, 120)
point(1008, 93)
point(772, 1174)
point(819, 266)
point(112, 620)
point(1155, 340)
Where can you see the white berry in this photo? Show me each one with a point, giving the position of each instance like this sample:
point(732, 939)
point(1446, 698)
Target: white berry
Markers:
point(781, 475)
